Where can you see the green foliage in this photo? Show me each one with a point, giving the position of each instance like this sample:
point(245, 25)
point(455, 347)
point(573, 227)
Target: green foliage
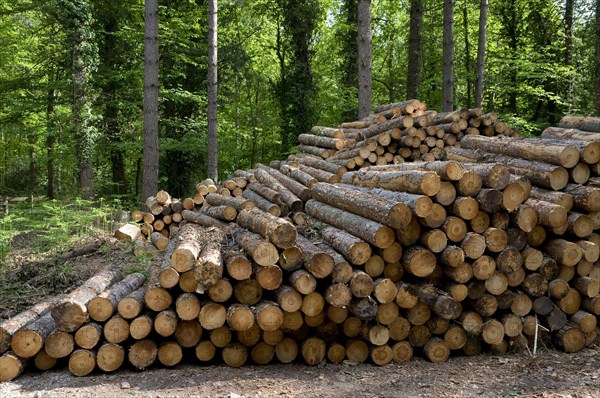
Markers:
point(49, 227)
point(283, 66)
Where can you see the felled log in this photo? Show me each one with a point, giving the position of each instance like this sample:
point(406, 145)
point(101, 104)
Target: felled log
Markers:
point(71, 312)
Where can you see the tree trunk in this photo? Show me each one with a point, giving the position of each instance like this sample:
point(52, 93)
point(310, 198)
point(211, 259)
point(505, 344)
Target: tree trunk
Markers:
point(150, 164)
point(83, 57)
point(597, 59)
point(448, 58)
point(213, 145)
point(50, 140)
point(481, 46)
point(467, 52)
point(364, 58)
point(414, 49)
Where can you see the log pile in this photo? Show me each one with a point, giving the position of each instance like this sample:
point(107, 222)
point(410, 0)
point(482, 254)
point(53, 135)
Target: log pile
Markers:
point(488, 250)
point(397, 133)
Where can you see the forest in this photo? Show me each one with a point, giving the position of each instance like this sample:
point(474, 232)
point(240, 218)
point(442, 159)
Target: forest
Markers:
point(72, 79)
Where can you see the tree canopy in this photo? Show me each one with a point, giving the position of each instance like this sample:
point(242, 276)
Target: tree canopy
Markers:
point(72, 76)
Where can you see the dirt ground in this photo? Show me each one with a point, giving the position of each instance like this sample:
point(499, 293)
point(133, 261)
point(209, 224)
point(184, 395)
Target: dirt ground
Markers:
point(550, 374)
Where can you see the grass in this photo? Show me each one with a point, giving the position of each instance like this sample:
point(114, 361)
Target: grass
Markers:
point(49, 227)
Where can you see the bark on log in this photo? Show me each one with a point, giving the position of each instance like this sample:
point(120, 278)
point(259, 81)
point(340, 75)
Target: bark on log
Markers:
point(209, 266)
point(10, 326)
point(276, 230)
point(104, 305)
point(71, 313)
point(586, 123)
point(562, 155)
point(393, 214)
point(416, 182)
point(368, 230)
point(544, 175)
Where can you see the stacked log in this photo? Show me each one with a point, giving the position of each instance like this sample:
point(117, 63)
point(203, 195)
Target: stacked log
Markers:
point(165, 214)
point(396, 133)
point(486, 250)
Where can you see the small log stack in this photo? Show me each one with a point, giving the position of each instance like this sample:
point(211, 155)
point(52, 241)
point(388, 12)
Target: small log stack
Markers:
point(481, 251)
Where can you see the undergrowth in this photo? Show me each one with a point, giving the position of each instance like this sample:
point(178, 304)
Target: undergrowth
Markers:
point(49, 227)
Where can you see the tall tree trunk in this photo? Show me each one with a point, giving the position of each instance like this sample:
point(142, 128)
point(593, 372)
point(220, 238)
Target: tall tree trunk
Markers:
point(414, 49)
point(364, 58)
point(50, 140)
point(448, 58)
point(569, 32)
point(150, 165)
point(597, 75)
point(111, 125)
point(32, 169)
point(83, 57)
point(513, 44)
point(213, 145)
point(481, 45)
point(350, 56)
point(467, 52)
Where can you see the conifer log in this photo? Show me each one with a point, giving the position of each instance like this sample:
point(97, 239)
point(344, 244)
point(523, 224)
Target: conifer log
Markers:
point(276, 230)
point(222, 212)
point(209, 266)
point(143, 353)
point(82, 362)
point(131, 305)
point(393, 214)
point(104, 305)
point(289, 188)
point(29, 340)
point(110, 357)
point(11, 366)
point(200, 219)
point(88, 336)
point(128, 233)
point(72, 312)
point(375, 233)
point(586, 198)
point(238, 203)
point(421, 205)
point(561, 155)
point(262, 203)
point(541, 174)
point(10, 326)
point(586, 123)
point(261, 251)
point(412, 181)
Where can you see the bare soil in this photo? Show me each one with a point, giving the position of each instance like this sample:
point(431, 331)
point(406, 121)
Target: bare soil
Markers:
point(549, 374)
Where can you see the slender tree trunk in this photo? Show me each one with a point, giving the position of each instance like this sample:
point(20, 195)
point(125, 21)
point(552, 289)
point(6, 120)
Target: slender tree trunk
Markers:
point(481, 45)
point(569, 32)
point(111, 110)
point(513, 45)
point(50, 139)
point(448, 58)
point(364, 58)
point(414, 49)
point(32, 169)
point(150, 164)
point(213, 145)
point(84, 134)
point(467, 52)
point(597, 75)
point(350, 56)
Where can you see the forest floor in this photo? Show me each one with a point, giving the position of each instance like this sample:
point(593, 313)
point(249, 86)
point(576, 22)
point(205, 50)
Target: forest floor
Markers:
point(27, 277)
